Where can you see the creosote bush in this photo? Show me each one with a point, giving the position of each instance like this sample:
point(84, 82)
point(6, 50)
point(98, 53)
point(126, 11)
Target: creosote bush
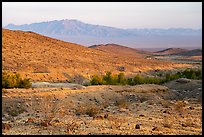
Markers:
point(13, 80)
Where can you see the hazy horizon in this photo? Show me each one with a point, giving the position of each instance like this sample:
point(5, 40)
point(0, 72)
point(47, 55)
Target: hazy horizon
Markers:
point(125, 15)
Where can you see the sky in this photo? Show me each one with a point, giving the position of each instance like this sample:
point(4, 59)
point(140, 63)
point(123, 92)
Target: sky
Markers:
point(114, 14)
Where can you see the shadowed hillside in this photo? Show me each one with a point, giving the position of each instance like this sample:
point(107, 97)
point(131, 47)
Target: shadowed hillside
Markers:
point(171, 51)
point(195, 52)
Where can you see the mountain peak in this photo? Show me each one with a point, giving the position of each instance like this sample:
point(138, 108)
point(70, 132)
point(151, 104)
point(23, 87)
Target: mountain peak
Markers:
point(73, 30)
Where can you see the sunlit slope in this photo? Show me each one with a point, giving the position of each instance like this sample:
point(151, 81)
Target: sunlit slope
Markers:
point(46, 59)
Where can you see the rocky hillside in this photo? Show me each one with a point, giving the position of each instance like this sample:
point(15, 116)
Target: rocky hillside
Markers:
point(46, 59)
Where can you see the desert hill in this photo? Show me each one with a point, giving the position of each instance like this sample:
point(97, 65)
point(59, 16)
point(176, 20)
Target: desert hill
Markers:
point(46, 59)
point(117, 49)
point(170, 51)
point(195, 52)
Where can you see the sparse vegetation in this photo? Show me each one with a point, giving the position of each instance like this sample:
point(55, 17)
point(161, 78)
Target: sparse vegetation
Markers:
point(90, 110)
point(121, 103)
point(13, 80)
point(71, 126)
point(14, 109)
point(120, 79)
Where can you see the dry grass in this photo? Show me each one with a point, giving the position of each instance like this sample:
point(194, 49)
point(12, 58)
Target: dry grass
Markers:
point(71, 126)
point(49, 108)
point(89, 109)
point(165, 103)
point(49, 121)
point(143, 99)
point(122, 103)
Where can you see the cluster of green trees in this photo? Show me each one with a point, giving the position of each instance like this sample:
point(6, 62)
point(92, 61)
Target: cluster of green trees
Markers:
point(120, 79)
point(188, 73)
point(13, 80)
point(109, 79)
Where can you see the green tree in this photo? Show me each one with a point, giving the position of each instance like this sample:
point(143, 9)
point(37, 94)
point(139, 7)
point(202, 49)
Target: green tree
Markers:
point(108, 78)
point(138, 80)
point(121, 79)
point(25, 83)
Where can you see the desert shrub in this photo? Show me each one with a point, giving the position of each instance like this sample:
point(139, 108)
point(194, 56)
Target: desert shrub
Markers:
point(151, 80)
point(143, 99)
point(179, 106)
point(121, 103)
point(138, 80)
point(146, 80)
point(13, 80)
point(192, 74)
point(71, 126)
point(96, 80)
point(169, 77)
point(14, 110)
point(25, 83)
point(88, 109)
point(92, 111)
point(130, 81)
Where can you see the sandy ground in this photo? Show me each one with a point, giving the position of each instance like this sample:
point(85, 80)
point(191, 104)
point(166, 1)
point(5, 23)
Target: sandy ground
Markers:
point(134, 110)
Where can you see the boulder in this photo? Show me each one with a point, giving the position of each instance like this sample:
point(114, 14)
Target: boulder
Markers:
point(137, 126)
point(121, 68)
point(183, 80)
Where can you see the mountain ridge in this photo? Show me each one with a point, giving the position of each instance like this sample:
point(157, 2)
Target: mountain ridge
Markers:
point(180, 52)
point(88, 34)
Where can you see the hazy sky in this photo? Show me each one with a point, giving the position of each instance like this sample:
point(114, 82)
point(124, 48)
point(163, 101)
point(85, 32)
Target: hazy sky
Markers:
point(115, 14)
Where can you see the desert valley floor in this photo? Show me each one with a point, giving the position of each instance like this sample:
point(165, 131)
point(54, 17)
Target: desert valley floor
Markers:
point(172, 108)
point(140, 110)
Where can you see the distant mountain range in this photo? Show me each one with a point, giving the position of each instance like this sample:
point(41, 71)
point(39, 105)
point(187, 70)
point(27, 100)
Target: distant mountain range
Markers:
point(87, 34)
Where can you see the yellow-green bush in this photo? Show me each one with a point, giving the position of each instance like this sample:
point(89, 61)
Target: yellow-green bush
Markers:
point(13, 80)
